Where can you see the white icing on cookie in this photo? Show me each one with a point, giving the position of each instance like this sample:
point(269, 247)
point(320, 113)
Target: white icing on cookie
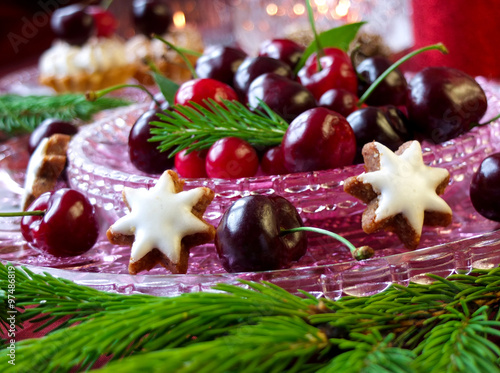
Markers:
point(406, 185)
point(34, 164)
point(160, 218)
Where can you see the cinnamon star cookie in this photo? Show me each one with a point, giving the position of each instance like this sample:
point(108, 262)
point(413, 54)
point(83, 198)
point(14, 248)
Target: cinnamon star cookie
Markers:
point(163, 224)
point(402, 192)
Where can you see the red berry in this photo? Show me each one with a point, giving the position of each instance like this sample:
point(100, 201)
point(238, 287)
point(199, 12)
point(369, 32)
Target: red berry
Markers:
point(231, 158)
point(69, 226)
point(72, 24)
point(485, 188)
point(198, 90)
point(191, 165)
point(284, 50)
point(272, 162)
point(339, 100)
point(105, 22)
point(318, 139)
point(48, 128)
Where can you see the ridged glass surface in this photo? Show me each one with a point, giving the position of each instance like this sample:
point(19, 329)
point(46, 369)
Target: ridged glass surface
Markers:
point(99, 167)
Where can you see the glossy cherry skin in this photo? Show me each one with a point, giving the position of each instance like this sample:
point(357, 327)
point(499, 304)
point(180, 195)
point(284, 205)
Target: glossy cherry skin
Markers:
point(443, 103)
point(385, 124)
point(151, 16)
point(337, 72)
point(248, 236)
point(339, 100)
point(251, 68)
point(285, 50)
point(72, 24)
point(144, 154)
point(284, 96)
point(69, 226)
point(390, 91)
point(198, 90)
point(48, 128)
point(272, 162)
point(220, 63)
point(105, 22)
point(318, 139)
point(231, 158)
point(485, 188)
point(192, 164)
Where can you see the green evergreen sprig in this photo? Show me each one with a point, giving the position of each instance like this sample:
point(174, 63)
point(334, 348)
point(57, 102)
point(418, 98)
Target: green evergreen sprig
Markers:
point(442, 327)
point(22, 114)
point(197, 127)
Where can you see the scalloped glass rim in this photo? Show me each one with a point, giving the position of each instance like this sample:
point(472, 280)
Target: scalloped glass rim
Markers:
point(476, 244)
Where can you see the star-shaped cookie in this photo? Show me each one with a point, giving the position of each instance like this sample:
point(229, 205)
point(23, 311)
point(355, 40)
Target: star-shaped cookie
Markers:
point(402, 192)
point(163, 224)
point(44, 167)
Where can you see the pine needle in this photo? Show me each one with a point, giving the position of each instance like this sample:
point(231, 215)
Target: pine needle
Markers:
point(22, 114)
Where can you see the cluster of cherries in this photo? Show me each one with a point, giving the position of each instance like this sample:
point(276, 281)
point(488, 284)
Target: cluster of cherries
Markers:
point(327, 125)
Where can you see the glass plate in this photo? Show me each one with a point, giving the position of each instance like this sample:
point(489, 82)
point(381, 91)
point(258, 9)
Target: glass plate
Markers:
point(96, 167)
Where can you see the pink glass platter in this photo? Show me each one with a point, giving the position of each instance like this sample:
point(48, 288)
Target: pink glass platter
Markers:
point(97, 169)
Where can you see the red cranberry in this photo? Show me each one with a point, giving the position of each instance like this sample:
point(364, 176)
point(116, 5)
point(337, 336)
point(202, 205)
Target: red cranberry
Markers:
point(191, 165)
point(220, 63)
point(284, 96)
point(337, 72)
point(251, 68)
point(248, 236)
point(69, 226)
point(485, 188)
point(272, 162)
point(339, 100)
point(143, 153)
point(444, 102)
point(151, 16)
point(231, 158)
point(198, 90)
point(284, 50)
point(105, 22)
point(318, 139)
point(48, 128)
point(72, 24)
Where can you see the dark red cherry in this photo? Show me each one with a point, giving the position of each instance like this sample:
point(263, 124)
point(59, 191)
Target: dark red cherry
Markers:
point(248, 236)
point(192, 164)
point(339, 100)
point(318, 139)
point(337, 72)
point(485, 188)
point(390, 91)
point(272, 162)
point(385, 124)
point(284, 50)
point(231, 158)
point(105, 22)
point(143, 153)
point(48, 128)
point(220, 63)
point(72, 24)
point(284, 96)
point(198, 90)
point(151, 16)
point(69, 226)
point(443, 103)
point(251, 68)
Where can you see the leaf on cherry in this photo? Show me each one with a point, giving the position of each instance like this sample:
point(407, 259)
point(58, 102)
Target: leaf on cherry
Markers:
point(167, 87)
point(337, 37)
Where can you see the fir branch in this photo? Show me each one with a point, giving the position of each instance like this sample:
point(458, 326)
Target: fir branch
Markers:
point(22, 114)
point(197, 127)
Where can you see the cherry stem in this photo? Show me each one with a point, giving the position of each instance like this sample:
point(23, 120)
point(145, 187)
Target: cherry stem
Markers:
point(485, 123)
point(181, 52)
point(94, 95)
point(356, 252)
point(319, 49)
point(395, 65)
point(22, 213)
